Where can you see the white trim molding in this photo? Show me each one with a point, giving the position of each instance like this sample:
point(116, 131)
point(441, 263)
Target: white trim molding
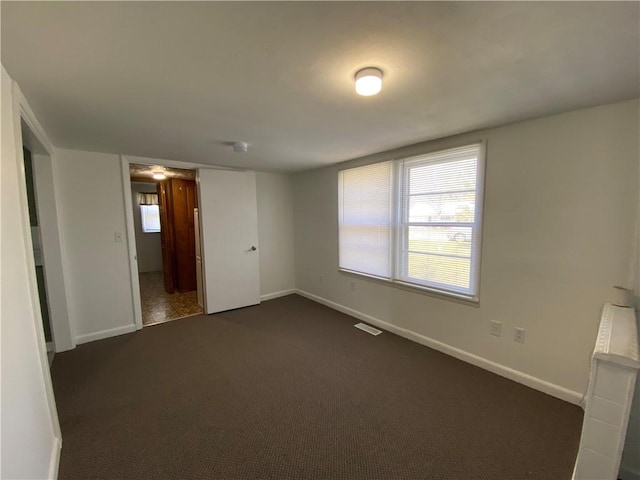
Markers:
point(21, 111)
point(281, 293)
point(112, 332)
point(54, 461)
point(36, 424)
point(499, 369)
point(131, 243)
point(54, 271)
point(26, 113)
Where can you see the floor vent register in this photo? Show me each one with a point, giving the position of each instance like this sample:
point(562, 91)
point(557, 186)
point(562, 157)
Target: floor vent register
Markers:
point(367, 328)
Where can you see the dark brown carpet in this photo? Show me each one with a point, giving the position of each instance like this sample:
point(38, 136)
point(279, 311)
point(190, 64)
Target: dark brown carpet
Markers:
point(291, 390)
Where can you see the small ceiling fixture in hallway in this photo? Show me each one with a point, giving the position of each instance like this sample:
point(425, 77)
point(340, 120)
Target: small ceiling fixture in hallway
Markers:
point(144, 173)
point(368, 81)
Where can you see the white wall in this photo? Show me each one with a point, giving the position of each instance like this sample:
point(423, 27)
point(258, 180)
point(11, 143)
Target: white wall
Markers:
point(99, 291)
point(275, 231)
point(148, 245)
point(560, 193)
point(29, 432)
point(91, 212)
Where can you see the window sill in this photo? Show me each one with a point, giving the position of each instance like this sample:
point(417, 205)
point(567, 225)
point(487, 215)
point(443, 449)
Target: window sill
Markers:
point(431, 292)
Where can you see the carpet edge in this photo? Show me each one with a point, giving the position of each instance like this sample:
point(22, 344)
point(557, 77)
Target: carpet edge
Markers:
point(536, 383)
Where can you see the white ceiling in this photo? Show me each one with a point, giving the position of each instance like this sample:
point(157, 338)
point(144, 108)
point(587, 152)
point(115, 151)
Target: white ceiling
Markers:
point(181, 80)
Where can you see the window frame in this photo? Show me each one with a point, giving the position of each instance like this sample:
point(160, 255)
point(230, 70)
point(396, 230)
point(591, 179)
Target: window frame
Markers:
point(398, 209)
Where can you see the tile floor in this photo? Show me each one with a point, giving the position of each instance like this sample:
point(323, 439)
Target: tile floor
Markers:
point(158, 306)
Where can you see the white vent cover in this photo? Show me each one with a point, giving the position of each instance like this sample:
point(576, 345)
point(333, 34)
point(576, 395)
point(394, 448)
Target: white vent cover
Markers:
point(367, 328)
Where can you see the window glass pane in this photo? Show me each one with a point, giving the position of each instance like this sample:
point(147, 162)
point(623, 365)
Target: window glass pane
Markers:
point(150, 216)
point(435, 269)
point(443, 176)
point(440, 188)
point(443, 207)
point(440, 240)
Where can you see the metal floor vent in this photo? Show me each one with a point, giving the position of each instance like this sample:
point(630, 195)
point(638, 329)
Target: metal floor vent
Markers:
point(366, 328)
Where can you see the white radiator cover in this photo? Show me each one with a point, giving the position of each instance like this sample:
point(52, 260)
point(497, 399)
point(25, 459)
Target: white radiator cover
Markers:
point(614, 368)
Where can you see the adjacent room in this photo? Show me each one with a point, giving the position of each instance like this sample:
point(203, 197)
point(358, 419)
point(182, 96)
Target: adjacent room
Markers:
point(165, 217)
point(320, 240)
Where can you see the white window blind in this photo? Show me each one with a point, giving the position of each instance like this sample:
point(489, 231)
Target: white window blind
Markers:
point(365, 228)
point(415, 221)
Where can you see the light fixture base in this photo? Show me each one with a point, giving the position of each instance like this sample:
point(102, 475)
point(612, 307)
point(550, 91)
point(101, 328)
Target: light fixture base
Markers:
point(240, 147)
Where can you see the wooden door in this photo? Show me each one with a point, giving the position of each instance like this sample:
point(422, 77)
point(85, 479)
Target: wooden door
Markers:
point(166, 235)
point(184, 200)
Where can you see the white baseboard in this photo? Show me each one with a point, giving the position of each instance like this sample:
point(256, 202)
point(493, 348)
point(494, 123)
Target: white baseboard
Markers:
point(628, 474)
point(282, 293)
point(112, 332)
point(54, 460)
point(499, 369)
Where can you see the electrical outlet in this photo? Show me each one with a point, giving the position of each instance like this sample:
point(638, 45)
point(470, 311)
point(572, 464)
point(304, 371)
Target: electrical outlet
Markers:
point(519, 335)
point(352, 285)
point(320, 279)
point(495, 328)
point(117, 236)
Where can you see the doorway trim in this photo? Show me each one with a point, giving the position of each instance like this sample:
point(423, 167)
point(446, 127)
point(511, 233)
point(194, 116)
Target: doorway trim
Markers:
point(62, 331)
point(131, 243)
point(60, 326)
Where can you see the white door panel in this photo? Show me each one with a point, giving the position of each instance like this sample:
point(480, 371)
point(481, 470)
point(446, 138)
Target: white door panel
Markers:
point(229, 220)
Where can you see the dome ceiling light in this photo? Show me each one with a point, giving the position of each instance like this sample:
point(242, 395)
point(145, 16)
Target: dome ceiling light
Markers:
point(368, 81)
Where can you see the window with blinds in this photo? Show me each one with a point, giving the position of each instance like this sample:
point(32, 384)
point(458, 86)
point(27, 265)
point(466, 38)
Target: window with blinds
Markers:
point(365, 219)
point(415, 221)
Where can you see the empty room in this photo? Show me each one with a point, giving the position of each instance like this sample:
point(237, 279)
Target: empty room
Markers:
point(320, 240)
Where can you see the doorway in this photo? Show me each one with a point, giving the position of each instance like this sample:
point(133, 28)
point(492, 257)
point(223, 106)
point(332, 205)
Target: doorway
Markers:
point(48, 287)
point(38, 256)
point(164, 204)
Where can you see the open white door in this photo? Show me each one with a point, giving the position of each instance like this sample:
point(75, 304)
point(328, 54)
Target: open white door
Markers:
point(229, 220)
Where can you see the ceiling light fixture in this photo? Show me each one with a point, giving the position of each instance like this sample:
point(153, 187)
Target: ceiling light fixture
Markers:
point(159, 176)
point(368, 81)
